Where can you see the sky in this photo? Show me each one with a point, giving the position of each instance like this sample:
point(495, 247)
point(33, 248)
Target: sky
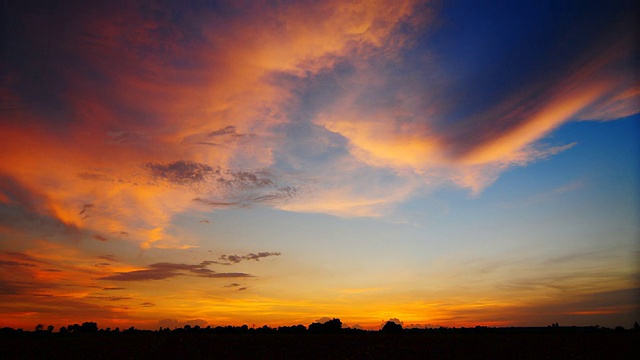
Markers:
point(443, 163)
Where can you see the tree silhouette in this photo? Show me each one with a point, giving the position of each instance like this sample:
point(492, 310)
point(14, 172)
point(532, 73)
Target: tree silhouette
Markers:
point(391, 328)
point(332, 326)
point(89, 327)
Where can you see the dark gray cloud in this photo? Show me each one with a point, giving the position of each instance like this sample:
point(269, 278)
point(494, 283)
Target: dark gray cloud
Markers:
point(23, 282)
point(217, 203)
point(182, 172)
point(142, 275)
point(100, 238)
point(124, 137)
point(94, 176)
point(174, 266)
point(207, 143)
point(210, 262)
point(14, 263)
point(113, 288)
point(8, 288)
point(212, 274)
point(245, 179)
point(85, 207)
point(165, 270)
point(224, 187)
point(109, 298)
point(43, 295)
point(223, 136)
point(147, 304)
point(229, 131)
point(250, 256)
point(233, 285)
point(248, 199)
point(19, 259)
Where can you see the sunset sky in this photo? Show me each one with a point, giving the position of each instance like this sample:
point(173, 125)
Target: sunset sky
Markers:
point(445, 163)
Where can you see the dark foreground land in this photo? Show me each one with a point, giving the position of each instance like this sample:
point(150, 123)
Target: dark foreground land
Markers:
point(365, 345)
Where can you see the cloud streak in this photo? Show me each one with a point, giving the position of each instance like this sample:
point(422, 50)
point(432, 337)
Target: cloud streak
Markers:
point(161, 271)
point(250, 256)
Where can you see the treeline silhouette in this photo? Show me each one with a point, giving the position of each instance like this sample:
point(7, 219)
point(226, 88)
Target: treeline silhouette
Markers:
point(333, 326)
point(326, 340)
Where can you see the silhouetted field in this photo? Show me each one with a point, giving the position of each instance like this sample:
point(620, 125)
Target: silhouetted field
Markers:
point(361, 345)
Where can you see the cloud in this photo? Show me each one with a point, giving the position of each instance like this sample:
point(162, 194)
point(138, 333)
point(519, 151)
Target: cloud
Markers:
point(14, 263)
point(226, 134)
point(251, 256)
point(110, 298)
point(330, 107)
point(165, 270)
point(279, 195)
point(20, 259)
point(614, 106)
point(147, 304)
point(85, 207)
point(143, 275)
point(209, 262)
point(124, 137)
point(135, 156)
point(100, 238)
point(223, 187)
point(182, 172)
point(7, 288)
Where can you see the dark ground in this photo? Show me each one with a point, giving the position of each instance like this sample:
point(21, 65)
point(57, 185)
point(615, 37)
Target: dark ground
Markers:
point(322, 346)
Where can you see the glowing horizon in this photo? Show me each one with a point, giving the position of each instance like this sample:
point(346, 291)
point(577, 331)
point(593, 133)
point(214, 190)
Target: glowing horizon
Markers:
point(247, 163)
